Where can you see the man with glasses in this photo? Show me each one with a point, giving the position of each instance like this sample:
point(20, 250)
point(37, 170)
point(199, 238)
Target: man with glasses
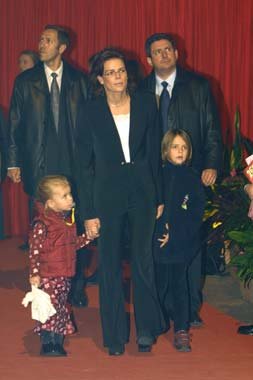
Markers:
point(185, 102)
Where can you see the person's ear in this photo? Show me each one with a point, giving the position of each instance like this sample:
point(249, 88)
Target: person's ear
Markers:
point(149, 60)
point(49, 204)
point(62, 48)
point(100, 79)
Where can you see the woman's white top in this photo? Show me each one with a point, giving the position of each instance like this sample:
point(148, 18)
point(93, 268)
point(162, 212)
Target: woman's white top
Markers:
point(123, 126)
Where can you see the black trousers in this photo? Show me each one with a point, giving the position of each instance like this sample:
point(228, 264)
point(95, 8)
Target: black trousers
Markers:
point(195, 285)
point(148, 316)
point(171, 280)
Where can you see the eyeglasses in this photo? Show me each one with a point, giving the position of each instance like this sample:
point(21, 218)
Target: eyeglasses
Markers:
point(166, 50)
point(113, 73)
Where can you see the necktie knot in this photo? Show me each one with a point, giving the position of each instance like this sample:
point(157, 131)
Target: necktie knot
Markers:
point(164, 84)
point(54, 75)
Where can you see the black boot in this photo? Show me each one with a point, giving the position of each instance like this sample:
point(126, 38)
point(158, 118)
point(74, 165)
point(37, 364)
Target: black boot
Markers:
point(48, 347)
point(58, 344)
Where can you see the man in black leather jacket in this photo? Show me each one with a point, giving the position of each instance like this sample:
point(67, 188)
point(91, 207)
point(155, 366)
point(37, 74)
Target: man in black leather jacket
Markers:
point(36, 145)
point(191, 108)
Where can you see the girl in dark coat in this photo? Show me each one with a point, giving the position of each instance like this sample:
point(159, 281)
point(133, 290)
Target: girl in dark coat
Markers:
point(177, 238)
point(52, 251)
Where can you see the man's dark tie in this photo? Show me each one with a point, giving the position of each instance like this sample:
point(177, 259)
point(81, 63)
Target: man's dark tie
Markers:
point(55, 98)
point(164, 106)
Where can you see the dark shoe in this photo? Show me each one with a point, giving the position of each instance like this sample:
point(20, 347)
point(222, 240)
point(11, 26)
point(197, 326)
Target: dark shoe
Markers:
point(116, 350)
point(182, 341)
point(245, 330)
point(49, 349)
point(79, 300)
point(145, 343)
point(144, 347)
point(196, 322)
point(59, 348)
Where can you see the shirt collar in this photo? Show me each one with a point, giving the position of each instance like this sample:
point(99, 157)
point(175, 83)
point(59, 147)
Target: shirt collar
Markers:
point(170, 79)
point(59, 71)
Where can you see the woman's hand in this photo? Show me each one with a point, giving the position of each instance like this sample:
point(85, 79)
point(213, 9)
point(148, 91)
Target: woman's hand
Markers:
point(92, 227)
point(35, 280)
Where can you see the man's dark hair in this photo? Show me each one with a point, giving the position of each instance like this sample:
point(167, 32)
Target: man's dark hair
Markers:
point(32, 54)
point(157, 37)
point(63, 35)
point(96, 63)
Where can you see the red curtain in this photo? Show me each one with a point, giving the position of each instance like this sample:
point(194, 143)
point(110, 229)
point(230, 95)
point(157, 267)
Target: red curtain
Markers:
point(215, 39)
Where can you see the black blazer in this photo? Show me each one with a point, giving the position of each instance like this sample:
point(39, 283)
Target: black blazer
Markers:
point(29, 117)
point(106, 180)
point(192, 108)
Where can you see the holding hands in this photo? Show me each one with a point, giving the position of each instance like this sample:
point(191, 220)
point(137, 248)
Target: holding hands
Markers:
point(14, 175)
point(92, 227)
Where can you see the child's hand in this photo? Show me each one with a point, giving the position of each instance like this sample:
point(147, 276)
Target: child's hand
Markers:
point(35, 280)
point(164, 240)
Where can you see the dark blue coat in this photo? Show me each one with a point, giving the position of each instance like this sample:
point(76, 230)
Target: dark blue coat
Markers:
point(184, 207)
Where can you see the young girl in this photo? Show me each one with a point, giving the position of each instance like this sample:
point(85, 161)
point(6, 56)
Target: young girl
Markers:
point(178, 229)
point(53, 243)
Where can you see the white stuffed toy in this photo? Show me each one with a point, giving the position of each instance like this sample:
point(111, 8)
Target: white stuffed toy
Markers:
point(42, 308)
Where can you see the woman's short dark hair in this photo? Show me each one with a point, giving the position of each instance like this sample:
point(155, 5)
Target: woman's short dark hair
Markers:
point(63, 35)
point(157, 37)
point(96, 63)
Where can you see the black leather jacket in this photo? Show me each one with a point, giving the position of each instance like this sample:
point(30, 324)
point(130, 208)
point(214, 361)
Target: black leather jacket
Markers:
point(192, 108)
point(28, 118)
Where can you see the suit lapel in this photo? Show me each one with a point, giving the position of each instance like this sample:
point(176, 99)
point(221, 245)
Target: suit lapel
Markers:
point(110, 126)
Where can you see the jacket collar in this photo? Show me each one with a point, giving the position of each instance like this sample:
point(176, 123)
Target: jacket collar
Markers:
point(38, 77)
point(134, 133)
point(181, 77)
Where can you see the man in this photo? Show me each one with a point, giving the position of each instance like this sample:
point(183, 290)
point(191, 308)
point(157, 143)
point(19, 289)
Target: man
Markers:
point(42, 117)
point(185, 102)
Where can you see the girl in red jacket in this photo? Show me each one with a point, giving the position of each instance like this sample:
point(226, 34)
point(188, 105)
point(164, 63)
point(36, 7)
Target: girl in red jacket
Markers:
point(53, 243)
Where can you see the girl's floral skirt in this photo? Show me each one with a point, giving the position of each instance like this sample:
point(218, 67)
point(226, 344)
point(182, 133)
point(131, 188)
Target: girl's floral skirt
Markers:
point(58, 289)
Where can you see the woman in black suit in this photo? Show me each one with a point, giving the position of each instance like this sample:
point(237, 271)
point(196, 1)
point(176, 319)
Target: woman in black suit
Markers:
point(119, 181)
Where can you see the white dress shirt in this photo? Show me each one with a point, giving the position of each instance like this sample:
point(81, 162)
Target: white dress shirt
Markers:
point(48, 73)
point(123, 126)
point(170, 80)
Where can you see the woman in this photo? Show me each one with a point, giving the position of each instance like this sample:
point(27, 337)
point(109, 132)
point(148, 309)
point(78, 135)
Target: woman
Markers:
point(119, 145)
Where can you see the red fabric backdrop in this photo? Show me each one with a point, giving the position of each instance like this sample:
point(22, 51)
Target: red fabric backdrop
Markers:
point(215, 39)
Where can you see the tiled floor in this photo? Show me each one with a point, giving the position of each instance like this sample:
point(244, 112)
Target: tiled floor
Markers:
point(224, 293)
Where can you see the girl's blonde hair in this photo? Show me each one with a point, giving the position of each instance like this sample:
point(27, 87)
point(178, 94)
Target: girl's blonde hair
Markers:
point(168, 140)
point(46, 185)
